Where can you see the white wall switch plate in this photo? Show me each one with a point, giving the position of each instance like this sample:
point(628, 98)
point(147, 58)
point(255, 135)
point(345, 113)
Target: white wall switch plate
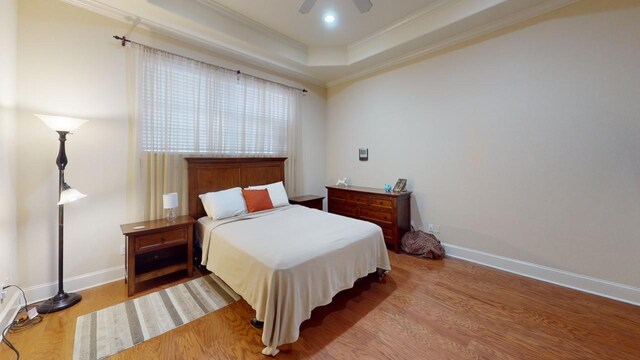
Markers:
point(121, 250)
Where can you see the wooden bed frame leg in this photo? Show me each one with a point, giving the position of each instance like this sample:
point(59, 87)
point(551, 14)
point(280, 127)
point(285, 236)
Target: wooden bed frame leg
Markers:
point(256, 324)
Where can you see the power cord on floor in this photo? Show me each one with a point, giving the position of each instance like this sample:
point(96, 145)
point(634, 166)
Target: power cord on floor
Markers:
point(20, 324)
point(7, 342)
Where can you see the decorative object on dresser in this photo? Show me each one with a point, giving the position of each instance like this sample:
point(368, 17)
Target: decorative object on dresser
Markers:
point(170, 203)
point(66, 194)
point(156, 248)
point(310, 201)
point(344, 182)
point(401, 185)
point(390, 211)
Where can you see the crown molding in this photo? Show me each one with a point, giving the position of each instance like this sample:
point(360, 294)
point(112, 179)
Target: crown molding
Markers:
point(221, 9)
point(319, 72)
point(402, 22)
point(173, 31)
point(502, 23)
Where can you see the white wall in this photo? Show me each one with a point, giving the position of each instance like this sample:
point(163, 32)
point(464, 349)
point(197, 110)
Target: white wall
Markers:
point(8, 186)
point(70, 65)
point(523, 145)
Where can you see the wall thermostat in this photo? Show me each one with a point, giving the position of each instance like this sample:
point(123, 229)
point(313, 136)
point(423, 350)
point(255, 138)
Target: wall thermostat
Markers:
point(364, 154)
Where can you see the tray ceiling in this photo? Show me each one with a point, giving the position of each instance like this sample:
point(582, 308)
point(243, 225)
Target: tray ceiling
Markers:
point(273, 34)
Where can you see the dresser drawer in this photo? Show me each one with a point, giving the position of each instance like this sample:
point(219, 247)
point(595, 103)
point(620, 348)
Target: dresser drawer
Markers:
point(341, 209)
point(338, 194)
point(160, 240)
point(371, 214)
point(387, 227)
point(359, 198)
point(381, 202)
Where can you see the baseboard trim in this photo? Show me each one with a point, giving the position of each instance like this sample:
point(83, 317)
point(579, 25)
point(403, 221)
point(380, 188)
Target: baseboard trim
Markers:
point(10, 310)
point(77, 283)
point(608, 289)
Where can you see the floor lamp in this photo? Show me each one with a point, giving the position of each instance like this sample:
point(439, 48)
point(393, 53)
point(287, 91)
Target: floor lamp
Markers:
point(63, 126)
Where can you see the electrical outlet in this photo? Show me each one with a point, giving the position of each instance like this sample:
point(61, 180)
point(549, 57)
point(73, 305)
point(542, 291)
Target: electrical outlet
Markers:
point(437, 228)
point(121, 250)
point(430, 228)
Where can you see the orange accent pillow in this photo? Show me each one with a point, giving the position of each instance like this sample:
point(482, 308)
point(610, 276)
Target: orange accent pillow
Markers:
point(257, 200)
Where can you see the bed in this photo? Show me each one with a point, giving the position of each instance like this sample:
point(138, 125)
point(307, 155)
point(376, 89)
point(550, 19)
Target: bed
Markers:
point(286, 261)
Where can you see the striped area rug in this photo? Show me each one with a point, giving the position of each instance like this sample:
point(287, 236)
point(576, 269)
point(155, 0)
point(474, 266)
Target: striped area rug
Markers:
point(116, 328)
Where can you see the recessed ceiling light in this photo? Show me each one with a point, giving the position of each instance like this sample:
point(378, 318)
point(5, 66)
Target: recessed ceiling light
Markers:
point(329, 19)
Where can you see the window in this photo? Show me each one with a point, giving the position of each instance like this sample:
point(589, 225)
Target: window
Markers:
point(181, 107)
point(188, 107)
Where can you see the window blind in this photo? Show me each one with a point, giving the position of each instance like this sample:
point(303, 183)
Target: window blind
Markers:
point(189, 107)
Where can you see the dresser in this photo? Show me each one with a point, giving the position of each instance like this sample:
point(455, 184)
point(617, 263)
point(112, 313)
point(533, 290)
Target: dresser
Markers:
point(390, 211)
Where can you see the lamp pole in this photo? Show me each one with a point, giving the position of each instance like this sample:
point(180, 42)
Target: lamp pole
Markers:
point(61, 300)
point(61, 161)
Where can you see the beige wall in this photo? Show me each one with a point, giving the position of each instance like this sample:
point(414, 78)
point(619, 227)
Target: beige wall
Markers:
point(524, 145)
point(70, 65)
point(8, 186)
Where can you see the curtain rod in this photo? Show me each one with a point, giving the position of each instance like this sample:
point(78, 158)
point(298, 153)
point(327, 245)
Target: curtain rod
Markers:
point(124, 42)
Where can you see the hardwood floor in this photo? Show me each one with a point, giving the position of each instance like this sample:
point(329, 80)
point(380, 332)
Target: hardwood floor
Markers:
point(448, 309)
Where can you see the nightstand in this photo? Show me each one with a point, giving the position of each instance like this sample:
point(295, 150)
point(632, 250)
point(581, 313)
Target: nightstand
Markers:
point(310, 201)
point(156, 248)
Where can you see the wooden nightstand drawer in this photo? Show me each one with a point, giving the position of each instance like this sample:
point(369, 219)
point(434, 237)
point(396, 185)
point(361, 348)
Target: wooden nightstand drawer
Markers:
point(160, 240)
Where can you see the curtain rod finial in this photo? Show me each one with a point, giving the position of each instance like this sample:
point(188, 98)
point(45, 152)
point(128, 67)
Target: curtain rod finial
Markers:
point(123, 38)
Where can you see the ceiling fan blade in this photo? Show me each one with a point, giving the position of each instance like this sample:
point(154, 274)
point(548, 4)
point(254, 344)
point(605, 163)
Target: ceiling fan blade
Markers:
point(363, 5)
point(306, 6)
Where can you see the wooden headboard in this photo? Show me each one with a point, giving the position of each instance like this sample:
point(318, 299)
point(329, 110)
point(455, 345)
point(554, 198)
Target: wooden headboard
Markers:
point(215, 174)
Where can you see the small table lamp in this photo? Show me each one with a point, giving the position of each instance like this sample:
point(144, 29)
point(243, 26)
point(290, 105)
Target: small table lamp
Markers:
point(170, 202)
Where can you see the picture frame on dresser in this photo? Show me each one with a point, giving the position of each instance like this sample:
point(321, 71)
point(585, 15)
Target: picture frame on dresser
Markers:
point(401, 185)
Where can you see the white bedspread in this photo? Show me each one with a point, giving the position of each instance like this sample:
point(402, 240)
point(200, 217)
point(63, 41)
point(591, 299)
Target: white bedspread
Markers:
point(287, 261)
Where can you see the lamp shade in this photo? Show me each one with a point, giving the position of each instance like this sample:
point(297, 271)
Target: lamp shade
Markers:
point(61, 123)
point(170, 201)
point(69, 194)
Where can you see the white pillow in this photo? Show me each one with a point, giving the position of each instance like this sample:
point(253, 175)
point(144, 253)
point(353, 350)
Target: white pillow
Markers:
point(224, 204)
point(277, 193)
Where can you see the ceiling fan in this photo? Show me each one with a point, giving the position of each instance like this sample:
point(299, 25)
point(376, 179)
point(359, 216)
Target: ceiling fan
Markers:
point(362, 5)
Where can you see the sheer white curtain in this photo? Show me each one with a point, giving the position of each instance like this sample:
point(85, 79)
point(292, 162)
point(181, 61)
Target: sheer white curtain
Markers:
point(181, 107)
